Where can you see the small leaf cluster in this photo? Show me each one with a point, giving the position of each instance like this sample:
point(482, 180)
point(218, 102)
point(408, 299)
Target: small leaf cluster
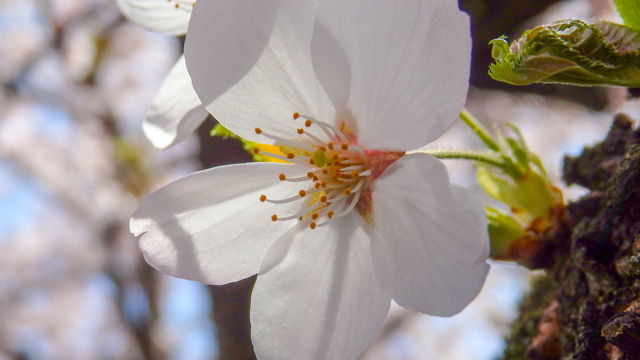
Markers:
point(571, 51)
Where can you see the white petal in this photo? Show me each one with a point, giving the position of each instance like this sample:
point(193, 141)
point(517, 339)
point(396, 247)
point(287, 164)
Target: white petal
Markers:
point(211, 226)
point(322, 299)
point(429, 238)
point(161, 16)
point(409, 62)
point(331, 66)
point(176, 111)
point(251, 65)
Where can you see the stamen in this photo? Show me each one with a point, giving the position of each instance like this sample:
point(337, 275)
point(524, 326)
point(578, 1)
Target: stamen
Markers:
point(300, 131)
point(274, 217)
point(302, 193)
point(313, 137)
point(263, 198)
point(284, 201)
point(351, 161)
point(312, 225)
point(293, 144)
point(328, 129)
point(301, 161)
point(282, 177)
point(358, 149)
point(296, 115)
point(298, 179)
point(307, 123)
point(300, 213)
point(352, 205)
point(350, 168)
point(359, 185)
point(258, 131)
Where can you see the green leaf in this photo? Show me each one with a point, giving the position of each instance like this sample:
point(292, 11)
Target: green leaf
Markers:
point(630, 12)
point(570, 52)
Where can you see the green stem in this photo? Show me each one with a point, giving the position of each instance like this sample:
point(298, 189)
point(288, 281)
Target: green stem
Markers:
point(474, 155)
point(479, 130)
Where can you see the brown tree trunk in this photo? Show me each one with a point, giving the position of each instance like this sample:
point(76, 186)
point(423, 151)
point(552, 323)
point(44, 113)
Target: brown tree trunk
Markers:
point(587, 305)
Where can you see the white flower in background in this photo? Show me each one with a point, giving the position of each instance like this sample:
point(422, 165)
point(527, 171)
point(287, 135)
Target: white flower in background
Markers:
point(176, 110)
point(169, 17)
point(346, 89)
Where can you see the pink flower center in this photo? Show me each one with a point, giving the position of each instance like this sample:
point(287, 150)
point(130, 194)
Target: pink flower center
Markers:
point(340, 172)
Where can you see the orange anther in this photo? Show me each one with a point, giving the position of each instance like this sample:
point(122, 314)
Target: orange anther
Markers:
point(300, 131)
point(323, 199)
point(325, 171)
point(296, 115)
point(256, 151)
point(330, 214)
point(347, 191)
point(315, 178)
point(312, 225)
point(314, 216)
point(258, 131)
point(344, 146)
point(263, 198)
point(310, 175)
point(322, 148)
point(302, 193)
point(274, 217)
point(307, 123)
point(290, 156)
point(355, 173)
point(282, 177)
point(330, 145)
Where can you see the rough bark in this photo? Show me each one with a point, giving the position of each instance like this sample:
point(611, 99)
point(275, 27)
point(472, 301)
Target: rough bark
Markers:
point(587, 304)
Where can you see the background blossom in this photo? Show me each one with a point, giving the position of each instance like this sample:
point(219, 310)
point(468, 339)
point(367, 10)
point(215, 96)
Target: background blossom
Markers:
point(175, 112)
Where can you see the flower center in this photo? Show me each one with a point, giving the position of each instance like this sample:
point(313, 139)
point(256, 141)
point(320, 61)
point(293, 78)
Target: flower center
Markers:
point(340, 172)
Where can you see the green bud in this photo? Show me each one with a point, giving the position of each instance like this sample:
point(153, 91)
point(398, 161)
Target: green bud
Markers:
point(504, 230)
point(529, 197)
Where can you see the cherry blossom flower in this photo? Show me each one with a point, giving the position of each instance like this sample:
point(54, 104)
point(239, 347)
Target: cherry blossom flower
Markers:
point(176, 110)
point(347, 90)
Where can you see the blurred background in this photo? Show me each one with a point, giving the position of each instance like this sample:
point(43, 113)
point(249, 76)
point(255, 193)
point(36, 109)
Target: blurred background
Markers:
point(77, 79)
